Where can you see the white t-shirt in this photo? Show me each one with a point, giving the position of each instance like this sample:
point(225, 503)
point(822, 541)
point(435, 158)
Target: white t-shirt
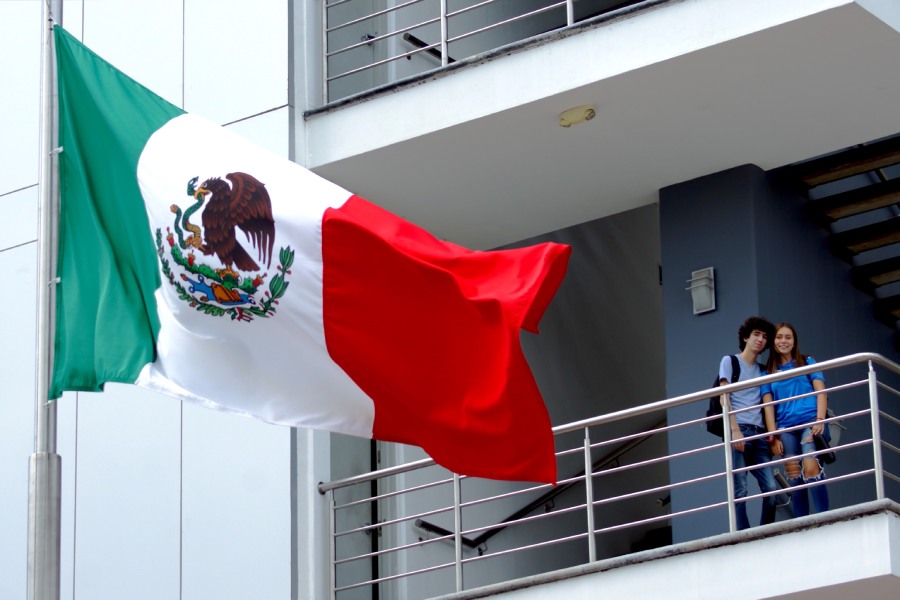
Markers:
point(743, 398)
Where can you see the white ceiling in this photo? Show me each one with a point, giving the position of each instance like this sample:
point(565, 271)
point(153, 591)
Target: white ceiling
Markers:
point(769, 97)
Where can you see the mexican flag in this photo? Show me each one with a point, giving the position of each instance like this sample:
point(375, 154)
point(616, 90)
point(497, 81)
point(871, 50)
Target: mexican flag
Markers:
point(194, 263)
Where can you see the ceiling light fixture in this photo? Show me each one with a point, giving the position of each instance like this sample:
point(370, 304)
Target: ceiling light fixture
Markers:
point(576, 115)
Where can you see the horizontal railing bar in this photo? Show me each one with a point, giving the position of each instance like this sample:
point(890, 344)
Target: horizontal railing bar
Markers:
point(394, 549)
point(337, 3)
point(667, 487)
point(885, 386)
point(890, 418)
point(853, 384)
point(890, 447)
point(379, 474)
point(803, 486)
point(827, 390)
point(529, 519)
point(662, 517)
point(384, 496)
point(515, 493)
point(377, 63)
point(372, 15)
point(670, 515)
point(839, 478)
point(891, 476)
point(443, 531)
point(377, 38)
point(780, 461)
point(850, 415)
point(506, 22)
point(857, 413)
point(638, 411)
point(465, 9)
point(544, 544)
point(393, 577)
point(380, 524)
point(651, 461)
point(614, 455)
point(620, 526)
point(582, 505)
point(631, 436)
point(645, 409)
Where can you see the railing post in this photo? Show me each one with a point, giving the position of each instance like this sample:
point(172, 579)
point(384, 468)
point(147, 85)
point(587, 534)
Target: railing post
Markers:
point(325, 52)
point(729, 462)
point(570, 12)
point(876, 433)
point(332, 546)
point(444, 34)
point(457, 537)
point(589, 494)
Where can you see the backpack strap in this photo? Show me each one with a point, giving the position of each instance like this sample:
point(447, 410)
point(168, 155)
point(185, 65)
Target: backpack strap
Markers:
point(735, 368)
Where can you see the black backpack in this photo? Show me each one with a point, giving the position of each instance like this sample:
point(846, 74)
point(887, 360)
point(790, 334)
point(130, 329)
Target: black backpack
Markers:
point(714, 426)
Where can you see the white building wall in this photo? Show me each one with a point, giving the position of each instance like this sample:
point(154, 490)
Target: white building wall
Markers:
point(160, 500)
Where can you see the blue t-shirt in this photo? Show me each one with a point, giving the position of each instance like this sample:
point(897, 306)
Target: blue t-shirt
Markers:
point(743, 398)
point(795, 412)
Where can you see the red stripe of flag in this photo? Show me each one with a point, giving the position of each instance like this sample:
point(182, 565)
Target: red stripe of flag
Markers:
point(430, 331)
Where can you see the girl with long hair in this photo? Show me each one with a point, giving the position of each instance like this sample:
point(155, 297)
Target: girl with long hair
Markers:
point(804, 415)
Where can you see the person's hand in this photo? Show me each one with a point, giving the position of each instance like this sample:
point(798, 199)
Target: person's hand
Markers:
point(776, 447)
point(737, 439)
point(818, 428)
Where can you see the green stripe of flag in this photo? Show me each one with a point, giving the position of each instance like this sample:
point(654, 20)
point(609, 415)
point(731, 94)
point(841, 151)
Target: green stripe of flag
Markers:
point(106, 321)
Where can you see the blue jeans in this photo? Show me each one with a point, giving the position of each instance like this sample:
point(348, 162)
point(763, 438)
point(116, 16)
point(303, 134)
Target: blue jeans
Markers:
point(797, 442)
point(756, 452)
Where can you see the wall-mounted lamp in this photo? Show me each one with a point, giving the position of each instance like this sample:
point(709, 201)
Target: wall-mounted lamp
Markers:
point(702, 286)
point(577, 115)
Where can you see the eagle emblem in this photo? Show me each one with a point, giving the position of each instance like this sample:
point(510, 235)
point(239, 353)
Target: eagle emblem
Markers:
point(229, 282)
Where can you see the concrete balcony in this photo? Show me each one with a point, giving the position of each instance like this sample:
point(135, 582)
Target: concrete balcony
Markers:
point(475, 153)
point(846, 553)
point(649, 521)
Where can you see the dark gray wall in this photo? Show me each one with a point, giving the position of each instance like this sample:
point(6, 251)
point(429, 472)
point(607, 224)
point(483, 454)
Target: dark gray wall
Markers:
point(600, 348)
point(771, 260)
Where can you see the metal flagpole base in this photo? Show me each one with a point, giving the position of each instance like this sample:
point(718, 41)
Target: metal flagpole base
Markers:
point(44, 514)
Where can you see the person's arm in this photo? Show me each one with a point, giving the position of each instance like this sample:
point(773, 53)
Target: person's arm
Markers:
point(769, 413)
point(725, 376)
point(818, 427)
point(737, 438)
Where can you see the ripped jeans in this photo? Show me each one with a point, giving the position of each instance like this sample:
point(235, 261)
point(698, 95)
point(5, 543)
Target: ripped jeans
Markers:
point(800, 441)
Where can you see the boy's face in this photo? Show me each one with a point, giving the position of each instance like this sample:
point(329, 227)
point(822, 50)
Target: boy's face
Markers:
point(757, 340)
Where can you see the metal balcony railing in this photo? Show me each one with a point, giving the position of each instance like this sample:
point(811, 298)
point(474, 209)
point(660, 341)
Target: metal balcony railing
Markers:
point(649, 467)
point(370, 43)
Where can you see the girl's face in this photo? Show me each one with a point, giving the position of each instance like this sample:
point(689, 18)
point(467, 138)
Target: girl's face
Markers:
point(784, 341)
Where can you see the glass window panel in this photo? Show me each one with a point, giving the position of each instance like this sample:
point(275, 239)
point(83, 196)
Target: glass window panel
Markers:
point(20, 47)
point(269, 131)
point(142, 38)
point(237, 511)
point(19, 224)
point(235, 57)
point(16, 415)
point(128, 494)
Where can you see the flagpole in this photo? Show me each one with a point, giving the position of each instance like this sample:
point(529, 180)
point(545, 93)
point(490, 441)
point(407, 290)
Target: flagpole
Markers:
point(44, 472)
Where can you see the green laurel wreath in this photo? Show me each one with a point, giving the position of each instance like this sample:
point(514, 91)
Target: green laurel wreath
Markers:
point(277, 285)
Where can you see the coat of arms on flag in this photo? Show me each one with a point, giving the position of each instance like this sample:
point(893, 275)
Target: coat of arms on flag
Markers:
point(237, 286)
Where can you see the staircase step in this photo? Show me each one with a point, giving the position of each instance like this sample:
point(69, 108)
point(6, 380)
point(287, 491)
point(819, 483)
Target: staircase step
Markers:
point(887, 310)
point(851, 242)
point(850, 162)
point(854, 202)
point(875, 274)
